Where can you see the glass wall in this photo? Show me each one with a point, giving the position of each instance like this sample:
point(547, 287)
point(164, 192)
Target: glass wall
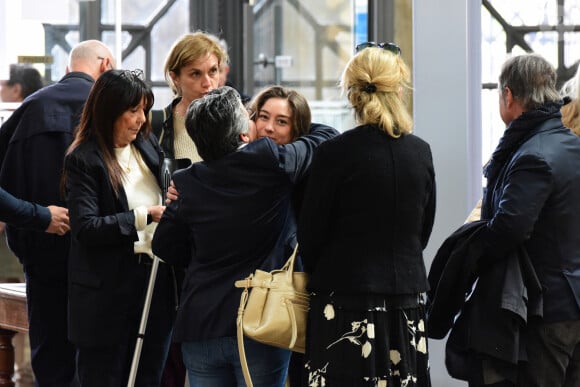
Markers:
point(37, 27)
point(305, 45)
point(547, 27)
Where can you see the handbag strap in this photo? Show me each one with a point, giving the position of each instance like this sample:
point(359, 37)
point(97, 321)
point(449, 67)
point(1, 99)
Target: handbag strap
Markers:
point(289, 265)
point(240, 334)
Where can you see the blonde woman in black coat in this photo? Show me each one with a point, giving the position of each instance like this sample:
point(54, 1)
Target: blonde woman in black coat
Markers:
point(366, 217)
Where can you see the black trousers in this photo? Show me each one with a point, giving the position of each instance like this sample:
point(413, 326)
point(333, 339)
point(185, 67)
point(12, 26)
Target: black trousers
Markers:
point(53, 357)
point(110, 364)
point(553, 354)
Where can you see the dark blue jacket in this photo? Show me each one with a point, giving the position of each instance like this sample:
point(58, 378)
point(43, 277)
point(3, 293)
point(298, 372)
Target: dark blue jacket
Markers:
point(39, 132)
point(233, 215)
point(22, 214)
point(535, 201)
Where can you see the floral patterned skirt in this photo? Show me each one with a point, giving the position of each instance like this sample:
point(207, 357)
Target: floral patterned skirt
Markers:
point(366, 340)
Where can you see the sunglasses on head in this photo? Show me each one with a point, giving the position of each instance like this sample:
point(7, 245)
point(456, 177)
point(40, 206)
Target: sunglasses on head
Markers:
point(392, 47)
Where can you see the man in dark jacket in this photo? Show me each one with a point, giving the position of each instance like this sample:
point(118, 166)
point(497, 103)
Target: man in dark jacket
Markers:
point(533, 186)
point(23, 81)
point(33, 142)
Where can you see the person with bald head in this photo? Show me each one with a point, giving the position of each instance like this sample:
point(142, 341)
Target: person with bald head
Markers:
point(33, 142)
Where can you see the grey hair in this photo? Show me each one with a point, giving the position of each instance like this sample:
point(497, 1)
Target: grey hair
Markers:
point(531, 79)
point(216, 122)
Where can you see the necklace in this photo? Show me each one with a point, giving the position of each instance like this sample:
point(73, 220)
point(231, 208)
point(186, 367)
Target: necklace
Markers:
point(180, 109)
point(128, 167)
point(125, 165)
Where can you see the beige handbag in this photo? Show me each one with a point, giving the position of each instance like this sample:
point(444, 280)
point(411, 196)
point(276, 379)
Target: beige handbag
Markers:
point(273, 310)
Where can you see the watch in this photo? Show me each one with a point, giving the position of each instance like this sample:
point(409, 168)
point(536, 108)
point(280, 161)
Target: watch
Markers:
point(149, 218)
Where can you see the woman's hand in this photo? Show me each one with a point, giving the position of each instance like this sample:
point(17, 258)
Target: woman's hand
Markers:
point(156, 212)
point(172, 193)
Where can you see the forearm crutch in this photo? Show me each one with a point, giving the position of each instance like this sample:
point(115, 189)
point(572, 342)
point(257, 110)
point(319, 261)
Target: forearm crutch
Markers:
point(143, 324)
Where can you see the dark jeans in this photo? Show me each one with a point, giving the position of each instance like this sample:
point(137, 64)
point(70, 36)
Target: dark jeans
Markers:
point(216, 363)
point(553, 355)
point(52, 355)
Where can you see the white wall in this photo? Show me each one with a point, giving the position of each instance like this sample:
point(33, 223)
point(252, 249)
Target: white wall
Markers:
point(20, 35)
point(4, 60)
point(447, 82)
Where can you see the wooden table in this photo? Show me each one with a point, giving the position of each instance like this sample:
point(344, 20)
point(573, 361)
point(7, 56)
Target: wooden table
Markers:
point(13, 318)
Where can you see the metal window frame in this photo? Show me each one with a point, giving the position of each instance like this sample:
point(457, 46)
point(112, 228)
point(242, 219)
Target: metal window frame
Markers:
point(515, 36)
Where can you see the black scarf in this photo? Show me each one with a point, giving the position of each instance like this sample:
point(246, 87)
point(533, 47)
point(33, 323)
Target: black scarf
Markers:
point(518, 132)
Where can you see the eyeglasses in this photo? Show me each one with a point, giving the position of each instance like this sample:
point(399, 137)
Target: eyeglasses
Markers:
point(109, 65)
point(392, 47)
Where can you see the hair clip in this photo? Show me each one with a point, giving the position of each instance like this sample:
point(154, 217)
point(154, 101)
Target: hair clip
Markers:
point(370, 88)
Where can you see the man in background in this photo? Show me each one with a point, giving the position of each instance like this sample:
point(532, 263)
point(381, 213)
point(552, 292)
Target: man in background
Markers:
point(24, 80)
point(531, 201)
point(33, 142)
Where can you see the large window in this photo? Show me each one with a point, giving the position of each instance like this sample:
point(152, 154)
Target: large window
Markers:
point(547, 27)
point(38, 28)
point(305, 45)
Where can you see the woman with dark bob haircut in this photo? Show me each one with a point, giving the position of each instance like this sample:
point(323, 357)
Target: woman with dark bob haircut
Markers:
point(113, 193)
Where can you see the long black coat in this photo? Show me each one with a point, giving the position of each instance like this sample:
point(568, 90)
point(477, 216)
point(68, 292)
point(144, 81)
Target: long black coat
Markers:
point(102, 286)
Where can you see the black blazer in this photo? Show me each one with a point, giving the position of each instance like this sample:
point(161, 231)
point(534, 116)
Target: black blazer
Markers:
point(101, 261)
point(368, 213)
point(233, 216)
